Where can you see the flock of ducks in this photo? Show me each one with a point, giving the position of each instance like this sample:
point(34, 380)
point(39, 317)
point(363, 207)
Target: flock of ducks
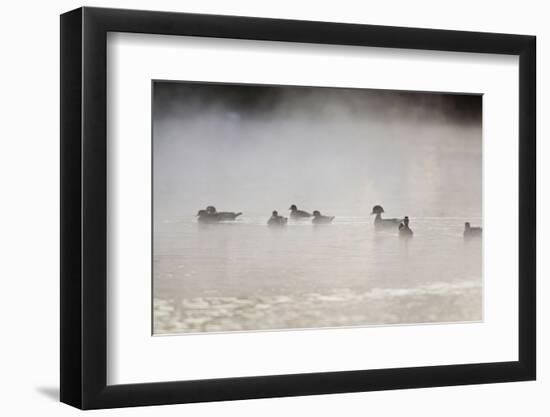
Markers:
point(211, 215)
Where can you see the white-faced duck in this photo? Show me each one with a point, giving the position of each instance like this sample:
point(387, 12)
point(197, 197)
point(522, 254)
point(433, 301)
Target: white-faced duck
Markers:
point(470, 231)
point(379, 222)
point(318, 218)
point(298, 214)
point(211, 215)
point(404, 229)
point(276, 220)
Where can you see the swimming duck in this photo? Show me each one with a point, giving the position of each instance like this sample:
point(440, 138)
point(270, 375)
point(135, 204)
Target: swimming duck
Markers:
point(318, 218)
point(404, 229)
point(205, 217)
point(223, 215)
point(211, 215)
point(470, 231)
point(276, 220)
point(298, 214)
point(228, 215)
point(381, 223)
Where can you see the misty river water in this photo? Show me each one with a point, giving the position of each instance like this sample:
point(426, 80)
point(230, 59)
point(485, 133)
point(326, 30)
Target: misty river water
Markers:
point(244, 275)
point(261, 148)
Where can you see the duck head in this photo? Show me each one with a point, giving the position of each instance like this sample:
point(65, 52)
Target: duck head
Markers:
point(316, 213)
point(293, 207)
point(377, 210)
point(406, 221)
point(211, 209)
point(467, 225)
point(274, 213)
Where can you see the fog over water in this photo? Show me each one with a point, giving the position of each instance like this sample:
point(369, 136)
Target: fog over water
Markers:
point(254, 149)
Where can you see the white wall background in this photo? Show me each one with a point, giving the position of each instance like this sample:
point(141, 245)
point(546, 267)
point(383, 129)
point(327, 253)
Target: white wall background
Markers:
point(29, 237)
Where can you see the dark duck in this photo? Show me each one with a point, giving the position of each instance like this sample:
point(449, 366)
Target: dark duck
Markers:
point(381, 223)
point(276, 220)
point(211, 215)
point(205, 217)
point(318, 218)
point(470, 231)
point(404, 229)
point(298, 214)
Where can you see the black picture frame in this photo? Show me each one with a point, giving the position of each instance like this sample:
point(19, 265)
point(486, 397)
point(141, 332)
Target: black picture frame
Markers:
point(84, 207)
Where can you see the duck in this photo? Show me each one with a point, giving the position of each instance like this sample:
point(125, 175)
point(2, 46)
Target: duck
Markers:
point(212, 215)
point(223, 215)
point(470, 231)
point(318, 218)
point(381, 223)
point(298, 214)
point(276, 220)
point(404, 229)
point(205, 217)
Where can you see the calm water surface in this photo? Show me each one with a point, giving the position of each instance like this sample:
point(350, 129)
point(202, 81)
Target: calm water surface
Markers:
point(244, 275)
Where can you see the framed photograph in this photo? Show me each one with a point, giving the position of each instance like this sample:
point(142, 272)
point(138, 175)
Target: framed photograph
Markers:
point(259, 208)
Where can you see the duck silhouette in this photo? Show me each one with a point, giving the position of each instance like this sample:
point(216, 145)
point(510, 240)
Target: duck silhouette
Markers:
point(379, 222)
point(298, 214)
point(276, 220)
point(318, 218)
point(211, 215)
point(205, 217)
point(404, 229)
point(470, 231)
